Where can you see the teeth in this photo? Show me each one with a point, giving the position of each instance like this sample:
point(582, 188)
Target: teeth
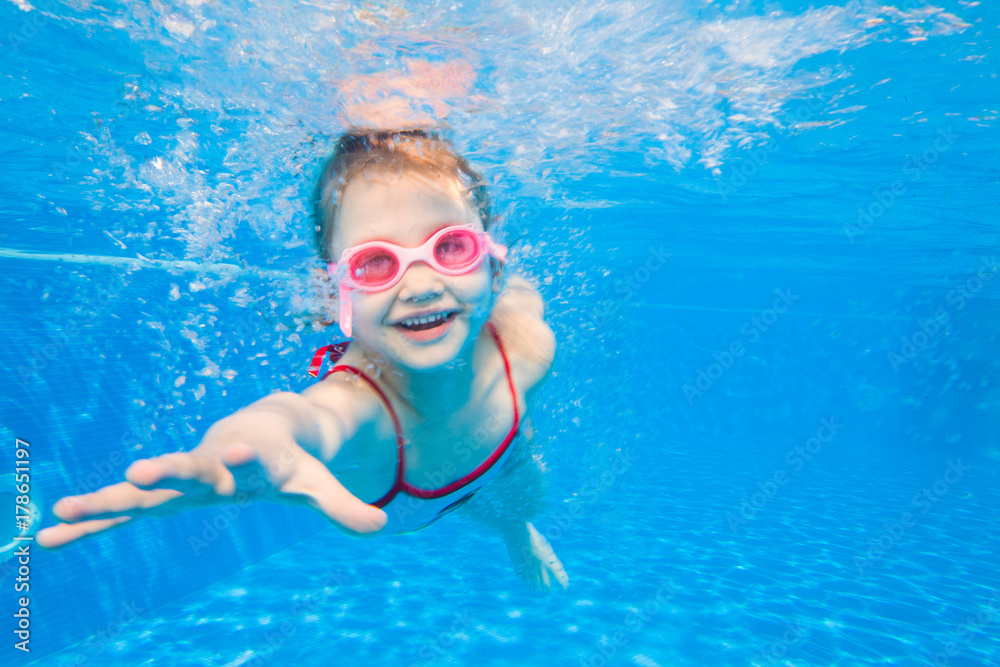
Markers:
point(413, 321)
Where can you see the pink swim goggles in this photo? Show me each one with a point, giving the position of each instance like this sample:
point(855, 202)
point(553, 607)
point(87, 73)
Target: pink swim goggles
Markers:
point(378, 265)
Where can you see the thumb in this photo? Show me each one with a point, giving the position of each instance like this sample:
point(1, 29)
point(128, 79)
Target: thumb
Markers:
point(325, 492)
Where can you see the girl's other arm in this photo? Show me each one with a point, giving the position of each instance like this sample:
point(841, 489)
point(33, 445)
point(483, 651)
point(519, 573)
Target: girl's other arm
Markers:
point(519, 316)
point(505, 505)
point(516, 495)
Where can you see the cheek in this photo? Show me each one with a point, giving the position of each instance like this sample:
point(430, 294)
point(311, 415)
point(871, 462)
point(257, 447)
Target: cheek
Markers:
point(475, 288)
point(370, 305)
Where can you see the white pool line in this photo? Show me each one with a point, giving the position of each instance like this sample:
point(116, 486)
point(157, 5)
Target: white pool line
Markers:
point(217, 267)
point(142, 263)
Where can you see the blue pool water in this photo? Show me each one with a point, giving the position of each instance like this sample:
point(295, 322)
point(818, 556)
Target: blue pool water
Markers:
point(767, 236)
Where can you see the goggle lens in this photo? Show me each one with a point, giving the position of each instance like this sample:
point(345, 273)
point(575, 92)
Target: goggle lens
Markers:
point(374, 266)
point(457, 249)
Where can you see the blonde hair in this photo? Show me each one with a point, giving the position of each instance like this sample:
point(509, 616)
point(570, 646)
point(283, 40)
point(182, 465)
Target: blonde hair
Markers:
point(364, 151)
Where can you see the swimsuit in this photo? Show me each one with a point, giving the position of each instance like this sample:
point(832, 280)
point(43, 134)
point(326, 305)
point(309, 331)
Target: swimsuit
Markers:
point(411, 508)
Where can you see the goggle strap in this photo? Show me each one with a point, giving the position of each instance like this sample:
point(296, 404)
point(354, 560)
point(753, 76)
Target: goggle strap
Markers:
point(345, 309)
point(495, 249)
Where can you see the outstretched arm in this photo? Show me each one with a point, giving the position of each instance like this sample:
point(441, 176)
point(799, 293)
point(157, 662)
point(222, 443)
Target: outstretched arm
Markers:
point(279, 448)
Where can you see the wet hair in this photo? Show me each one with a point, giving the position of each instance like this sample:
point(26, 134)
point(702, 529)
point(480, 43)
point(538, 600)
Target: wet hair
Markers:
point(362, 152)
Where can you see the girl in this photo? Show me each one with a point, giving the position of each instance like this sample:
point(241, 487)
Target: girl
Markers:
point(423, 407)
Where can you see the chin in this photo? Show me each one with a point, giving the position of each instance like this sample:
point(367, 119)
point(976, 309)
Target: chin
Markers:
point(415, 354)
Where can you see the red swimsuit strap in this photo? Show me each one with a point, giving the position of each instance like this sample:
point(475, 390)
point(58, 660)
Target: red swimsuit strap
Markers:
point(400, 442)
point(497, 454)
point(400, 484)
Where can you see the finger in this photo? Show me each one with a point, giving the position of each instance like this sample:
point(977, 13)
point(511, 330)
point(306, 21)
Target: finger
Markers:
point(250, 468)
point(64, 533)
point(184, 471)
point(323, 491)
point(554, 565)
point(558, 573)
point(561, 575)
point(111, 501)
point(238, 454)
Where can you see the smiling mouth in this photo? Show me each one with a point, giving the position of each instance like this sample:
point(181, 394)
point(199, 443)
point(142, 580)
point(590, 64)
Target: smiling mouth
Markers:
point(424, 322)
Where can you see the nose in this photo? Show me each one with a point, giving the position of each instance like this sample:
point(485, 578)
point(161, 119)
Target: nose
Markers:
point(420, 283)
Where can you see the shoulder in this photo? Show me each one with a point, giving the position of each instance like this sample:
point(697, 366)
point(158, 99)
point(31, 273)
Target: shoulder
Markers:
point(519, 318)
point(349, 398)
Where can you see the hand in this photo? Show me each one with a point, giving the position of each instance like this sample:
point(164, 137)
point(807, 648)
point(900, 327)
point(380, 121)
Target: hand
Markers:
point(261, 464)
point(534, 560)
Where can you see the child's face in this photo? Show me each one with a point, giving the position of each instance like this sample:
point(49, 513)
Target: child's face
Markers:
point(406, 209)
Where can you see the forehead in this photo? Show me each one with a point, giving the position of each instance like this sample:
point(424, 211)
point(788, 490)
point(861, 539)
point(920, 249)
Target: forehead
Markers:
point(402, 207)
